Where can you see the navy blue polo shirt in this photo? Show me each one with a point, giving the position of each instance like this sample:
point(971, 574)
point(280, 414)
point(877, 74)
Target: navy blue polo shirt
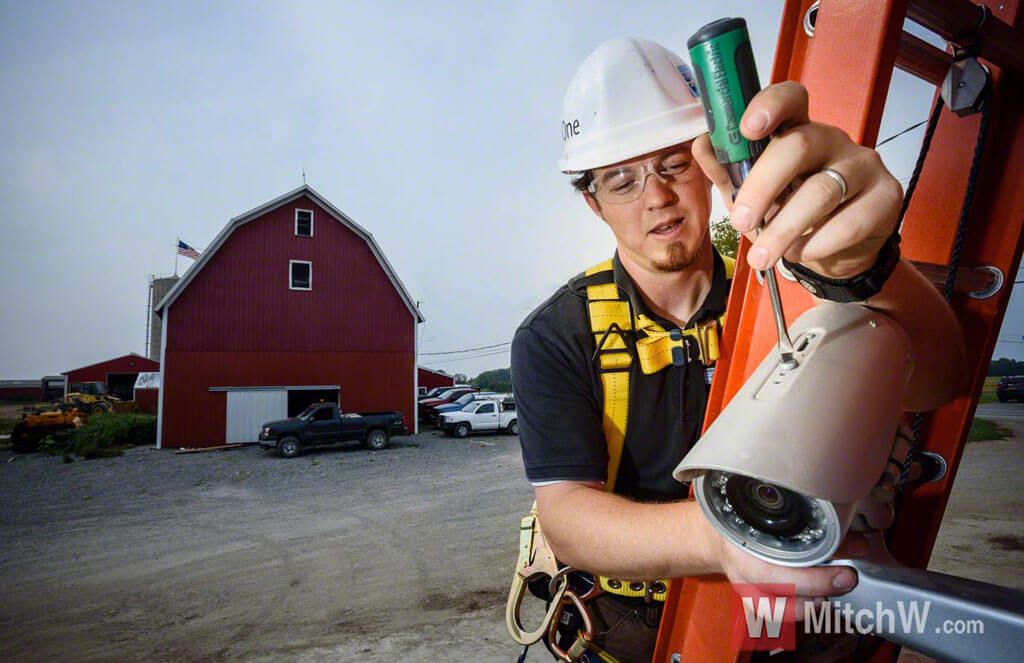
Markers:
point(559, 396)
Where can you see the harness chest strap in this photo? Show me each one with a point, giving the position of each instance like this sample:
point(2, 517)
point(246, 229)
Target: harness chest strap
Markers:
point(611, 318)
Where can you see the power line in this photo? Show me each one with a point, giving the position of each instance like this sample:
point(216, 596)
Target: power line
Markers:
point(455, 352)
point(492, 353)
point(897, 135)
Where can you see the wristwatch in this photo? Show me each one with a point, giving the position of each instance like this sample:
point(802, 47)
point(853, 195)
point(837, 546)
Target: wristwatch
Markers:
point(854, 289)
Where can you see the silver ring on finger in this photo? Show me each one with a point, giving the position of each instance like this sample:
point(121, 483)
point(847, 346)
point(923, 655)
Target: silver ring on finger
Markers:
point(839, 179)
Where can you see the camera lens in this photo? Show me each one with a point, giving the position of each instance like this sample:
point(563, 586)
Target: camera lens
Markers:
point(769, 508)
point(767, 496)
point(767, 520)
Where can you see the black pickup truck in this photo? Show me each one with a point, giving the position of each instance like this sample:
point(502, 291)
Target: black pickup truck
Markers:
point(324, 424)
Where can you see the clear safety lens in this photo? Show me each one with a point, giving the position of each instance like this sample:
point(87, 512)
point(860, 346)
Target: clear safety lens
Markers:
point(624, 184)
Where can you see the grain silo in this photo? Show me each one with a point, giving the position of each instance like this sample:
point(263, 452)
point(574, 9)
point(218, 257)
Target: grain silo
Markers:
point(158, 287)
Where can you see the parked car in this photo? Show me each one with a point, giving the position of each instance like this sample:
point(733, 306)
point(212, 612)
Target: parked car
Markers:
point(446, 396)
point(433, 393)
point(482, 416)
point(323, 424)
point(1010, 387)
point(435, 412)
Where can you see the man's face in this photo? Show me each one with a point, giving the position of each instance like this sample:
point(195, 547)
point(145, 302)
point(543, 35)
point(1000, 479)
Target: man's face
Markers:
point(664, 229)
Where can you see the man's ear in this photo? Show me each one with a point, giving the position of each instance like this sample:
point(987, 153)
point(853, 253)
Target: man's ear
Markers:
point(594, 205)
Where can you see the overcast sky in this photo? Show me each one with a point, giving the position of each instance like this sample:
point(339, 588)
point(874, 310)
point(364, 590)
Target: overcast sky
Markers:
point(435, 126)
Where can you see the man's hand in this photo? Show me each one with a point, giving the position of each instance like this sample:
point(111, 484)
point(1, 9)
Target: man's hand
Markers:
point(812, 585)
point(612, 536)
point(809, 223)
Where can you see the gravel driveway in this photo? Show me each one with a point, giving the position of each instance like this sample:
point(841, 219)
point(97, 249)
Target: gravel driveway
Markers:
point(341, 554)
point(337, 555)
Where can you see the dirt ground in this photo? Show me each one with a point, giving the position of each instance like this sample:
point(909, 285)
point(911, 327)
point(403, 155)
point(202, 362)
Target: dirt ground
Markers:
point(338, 555)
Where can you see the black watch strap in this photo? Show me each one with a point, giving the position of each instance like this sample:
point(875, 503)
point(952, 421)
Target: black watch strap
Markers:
point(854, 289)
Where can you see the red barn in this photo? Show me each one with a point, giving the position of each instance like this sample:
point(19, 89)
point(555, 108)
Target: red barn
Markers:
point(292, 303)
point(430, 378)
point(117, 375)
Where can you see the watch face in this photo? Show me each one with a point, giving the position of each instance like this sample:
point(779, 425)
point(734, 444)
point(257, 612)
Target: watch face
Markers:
point(809, 286)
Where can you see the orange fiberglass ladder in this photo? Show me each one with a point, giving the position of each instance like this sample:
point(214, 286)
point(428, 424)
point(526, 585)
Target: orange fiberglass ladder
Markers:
point(847, 66)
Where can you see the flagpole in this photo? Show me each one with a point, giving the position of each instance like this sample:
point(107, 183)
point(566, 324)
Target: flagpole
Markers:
point(176, 245)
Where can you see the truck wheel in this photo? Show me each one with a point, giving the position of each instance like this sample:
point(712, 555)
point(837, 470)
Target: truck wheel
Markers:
point(288, 447)
point(377, 439)
point(24, 439)
point(100, 408)
point(461, 430)
point(513, 428)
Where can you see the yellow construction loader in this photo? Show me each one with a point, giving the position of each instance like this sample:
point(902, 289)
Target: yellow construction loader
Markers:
point(32, 428)
point(92, 399)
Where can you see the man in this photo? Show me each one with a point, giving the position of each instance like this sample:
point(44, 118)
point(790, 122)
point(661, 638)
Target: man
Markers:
point(635, 145)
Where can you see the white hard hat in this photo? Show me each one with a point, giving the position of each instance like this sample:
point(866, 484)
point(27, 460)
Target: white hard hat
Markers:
point(629, 97)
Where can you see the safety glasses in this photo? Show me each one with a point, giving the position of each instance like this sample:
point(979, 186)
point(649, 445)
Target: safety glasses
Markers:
point(626, 183)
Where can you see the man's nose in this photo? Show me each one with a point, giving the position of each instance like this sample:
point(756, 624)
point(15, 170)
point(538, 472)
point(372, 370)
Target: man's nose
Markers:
point(656, 192)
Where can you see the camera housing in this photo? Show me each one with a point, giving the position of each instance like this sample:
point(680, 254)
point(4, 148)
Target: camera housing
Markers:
point(781, 470)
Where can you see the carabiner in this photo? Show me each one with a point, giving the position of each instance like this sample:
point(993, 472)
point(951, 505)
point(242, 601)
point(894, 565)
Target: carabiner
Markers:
point(515, 599)
point(583, 640)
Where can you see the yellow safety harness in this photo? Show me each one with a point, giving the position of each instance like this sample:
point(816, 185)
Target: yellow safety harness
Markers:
point(611, 317)
point(614, 326)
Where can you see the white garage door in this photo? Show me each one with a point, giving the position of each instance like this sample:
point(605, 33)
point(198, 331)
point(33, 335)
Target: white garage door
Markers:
point(248, 410)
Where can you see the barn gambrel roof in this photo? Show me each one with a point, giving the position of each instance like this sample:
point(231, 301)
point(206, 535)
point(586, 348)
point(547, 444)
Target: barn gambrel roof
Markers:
point(304, 190)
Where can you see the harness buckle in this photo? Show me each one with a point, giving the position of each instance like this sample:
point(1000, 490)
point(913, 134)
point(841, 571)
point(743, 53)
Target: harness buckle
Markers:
point(679, 353)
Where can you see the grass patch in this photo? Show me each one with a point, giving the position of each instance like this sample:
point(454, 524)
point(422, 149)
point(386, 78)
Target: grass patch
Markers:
point(103, 437)
point(7, 425)
point(983, 429)
point(988, 390)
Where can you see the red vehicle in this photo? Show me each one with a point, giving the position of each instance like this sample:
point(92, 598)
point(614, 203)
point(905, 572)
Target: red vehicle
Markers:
point(426, 405)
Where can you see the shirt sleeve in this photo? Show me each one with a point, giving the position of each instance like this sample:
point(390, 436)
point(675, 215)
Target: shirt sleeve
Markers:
point(559, 416)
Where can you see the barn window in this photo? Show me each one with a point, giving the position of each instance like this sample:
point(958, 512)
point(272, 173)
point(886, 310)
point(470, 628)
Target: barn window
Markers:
point(301, 275)
point(304, 222)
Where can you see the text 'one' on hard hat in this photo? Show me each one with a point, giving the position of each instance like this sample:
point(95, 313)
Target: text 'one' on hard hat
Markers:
point(628, 98)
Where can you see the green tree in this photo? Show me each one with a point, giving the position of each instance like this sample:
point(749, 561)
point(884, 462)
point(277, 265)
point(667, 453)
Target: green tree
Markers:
point(500, 380)
point(1004, 366)
point(724, 237)
point(461, 378)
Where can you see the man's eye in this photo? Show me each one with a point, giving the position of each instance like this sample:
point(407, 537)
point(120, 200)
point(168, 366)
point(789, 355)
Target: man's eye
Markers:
point(674, 168)
point(619, 182)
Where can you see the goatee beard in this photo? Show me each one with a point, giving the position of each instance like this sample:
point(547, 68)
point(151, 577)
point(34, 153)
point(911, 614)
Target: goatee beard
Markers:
point(678, 258)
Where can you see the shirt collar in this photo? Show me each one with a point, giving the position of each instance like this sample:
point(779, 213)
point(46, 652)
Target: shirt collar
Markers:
point(713, 305)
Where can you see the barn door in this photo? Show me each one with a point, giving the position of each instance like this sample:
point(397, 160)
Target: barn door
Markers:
point(248, 410)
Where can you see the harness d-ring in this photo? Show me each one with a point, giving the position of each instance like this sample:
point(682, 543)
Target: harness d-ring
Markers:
point(595, 588)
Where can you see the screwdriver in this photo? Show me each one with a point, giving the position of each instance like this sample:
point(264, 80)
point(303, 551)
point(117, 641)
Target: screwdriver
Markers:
point(723, 64)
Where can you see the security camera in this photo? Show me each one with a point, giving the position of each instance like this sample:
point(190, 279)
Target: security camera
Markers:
point(794, 457)
point(804, 453)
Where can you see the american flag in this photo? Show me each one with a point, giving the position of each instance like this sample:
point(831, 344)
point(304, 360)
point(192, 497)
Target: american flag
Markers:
point(187, 251)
